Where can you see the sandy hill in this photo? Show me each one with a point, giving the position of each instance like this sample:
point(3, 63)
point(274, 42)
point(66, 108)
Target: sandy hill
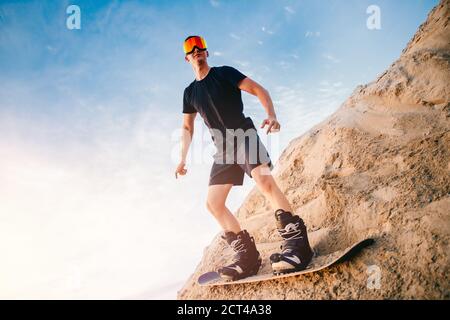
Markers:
point(379, 166)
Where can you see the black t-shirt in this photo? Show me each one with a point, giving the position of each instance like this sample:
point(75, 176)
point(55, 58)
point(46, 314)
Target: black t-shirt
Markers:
point(217, 98)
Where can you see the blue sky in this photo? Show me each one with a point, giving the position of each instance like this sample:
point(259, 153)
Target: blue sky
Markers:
point(89, 118)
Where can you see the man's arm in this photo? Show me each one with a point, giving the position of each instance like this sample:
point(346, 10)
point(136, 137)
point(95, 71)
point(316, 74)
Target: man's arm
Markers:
point(187, 132)
point(256, 89)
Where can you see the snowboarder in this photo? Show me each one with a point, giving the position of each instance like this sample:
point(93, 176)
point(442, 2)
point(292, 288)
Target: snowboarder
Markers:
point(216, 95)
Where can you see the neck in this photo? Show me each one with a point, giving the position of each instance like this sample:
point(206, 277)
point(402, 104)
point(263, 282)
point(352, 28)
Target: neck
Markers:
point(201, 70)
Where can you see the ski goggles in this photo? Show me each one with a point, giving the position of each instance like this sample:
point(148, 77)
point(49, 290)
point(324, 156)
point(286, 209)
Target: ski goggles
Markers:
point(190, 44)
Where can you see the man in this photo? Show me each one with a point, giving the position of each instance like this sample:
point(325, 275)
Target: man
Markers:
point(216, 95)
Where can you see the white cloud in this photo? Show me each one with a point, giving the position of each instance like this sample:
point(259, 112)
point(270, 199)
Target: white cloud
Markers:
point(330, 57)
point(242, 63)
point(217, 53)
point(235, 36)
point(264, 29)
point(289, 10)
point(332, 90)
point(154, 88)
point(51, 49)
point(289, 103)
point(283, 64)
point(214, 3)
point(310, 34)
point(299, 108)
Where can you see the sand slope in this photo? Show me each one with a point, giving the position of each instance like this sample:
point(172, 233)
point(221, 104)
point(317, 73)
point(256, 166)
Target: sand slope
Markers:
point(379, 166)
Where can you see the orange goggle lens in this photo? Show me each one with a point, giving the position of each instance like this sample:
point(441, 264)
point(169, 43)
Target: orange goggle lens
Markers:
point(193, 42)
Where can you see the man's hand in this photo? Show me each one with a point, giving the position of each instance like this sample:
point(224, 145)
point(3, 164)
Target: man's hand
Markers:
point(273, 124)
point(180, 170)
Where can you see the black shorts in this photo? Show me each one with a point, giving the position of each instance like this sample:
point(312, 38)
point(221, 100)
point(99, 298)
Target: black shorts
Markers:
point(248, 154)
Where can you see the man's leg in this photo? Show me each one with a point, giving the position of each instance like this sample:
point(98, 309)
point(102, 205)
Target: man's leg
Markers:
point(246, 261)
point(269, 188)
point(296, 252)
point(217, 196)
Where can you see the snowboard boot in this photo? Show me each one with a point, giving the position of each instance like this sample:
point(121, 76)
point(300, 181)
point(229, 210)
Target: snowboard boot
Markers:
point(246, 261)
point(296, 252)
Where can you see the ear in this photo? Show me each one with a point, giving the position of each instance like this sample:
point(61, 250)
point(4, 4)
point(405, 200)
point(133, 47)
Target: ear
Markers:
point(207, 53)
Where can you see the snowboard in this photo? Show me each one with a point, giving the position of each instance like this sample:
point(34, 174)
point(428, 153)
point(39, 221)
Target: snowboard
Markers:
point(319, 262)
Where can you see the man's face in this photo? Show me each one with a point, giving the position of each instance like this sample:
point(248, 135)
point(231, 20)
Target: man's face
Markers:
point(197, 56)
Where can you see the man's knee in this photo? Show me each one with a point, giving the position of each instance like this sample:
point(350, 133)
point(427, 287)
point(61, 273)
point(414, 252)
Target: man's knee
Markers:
point(262, 170)
point(214, 206)
point(264, 183)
